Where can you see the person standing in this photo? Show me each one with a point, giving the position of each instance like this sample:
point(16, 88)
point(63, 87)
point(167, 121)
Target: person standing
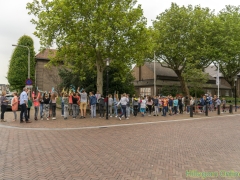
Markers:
point(98, 96)
point(83, 103)
point(66, 101)
point(124, 100)
point(53, 104)
point(93, 102)
point(74, 105)
point(46, 101)
point(36, 104)
point(24, 105)
point(4, 103)
point(115, 102)
point(135, 106)
point(14, 105)
point(110, 105)
point(101, 107)
point(29, 107)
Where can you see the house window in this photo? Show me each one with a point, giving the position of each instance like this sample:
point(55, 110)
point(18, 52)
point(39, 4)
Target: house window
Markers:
point(145, 91)
point(226, 92)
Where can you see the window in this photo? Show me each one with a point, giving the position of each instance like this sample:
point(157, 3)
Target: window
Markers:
point(145, 91)
point(226, 92)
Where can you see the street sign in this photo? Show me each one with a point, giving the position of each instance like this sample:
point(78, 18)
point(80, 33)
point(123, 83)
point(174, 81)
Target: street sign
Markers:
point(28, 82)
point(29, 86)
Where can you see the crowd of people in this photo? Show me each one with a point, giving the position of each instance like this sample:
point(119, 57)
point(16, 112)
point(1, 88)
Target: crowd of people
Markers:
point(75, 104)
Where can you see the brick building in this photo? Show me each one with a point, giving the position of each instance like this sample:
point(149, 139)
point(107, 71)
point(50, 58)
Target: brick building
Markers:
point(45, 77)
point(144, 80)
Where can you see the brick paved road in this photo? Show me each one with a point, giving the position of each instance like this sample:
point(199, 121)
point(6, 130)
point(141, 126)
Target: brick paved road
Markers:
point(161, 150)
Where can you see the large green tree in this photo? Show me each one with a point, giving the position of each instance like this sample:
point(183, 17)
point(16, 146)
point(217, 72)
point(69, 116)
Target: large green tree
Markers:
point(225, 42)
point(18, 65)
point(180, 35)
point(87, 32)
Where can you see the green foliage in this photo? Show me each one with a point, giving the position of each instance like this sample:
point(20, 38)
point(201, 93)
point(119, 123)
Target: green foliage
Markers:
point(119, 80)
point(195, 78)
point(225, 42)
point(88, 32)
point(169, 90)
point(196, 92)
point(181, 37)
point(18, 68)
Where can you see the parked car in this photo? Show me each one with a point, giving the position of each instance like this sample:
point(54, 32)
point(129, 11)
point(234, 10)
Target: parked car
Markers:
point(9, 97)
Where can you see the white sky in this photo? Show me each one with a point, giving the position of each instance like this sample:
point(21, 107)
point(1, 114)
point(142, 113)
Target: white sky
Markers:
point(15, 22)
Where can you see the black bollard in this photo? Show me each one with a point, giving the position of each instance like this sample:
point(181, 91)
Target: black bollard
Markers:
point(191, 111)
point(218, 109)
point(206, 110)
point(230, 109)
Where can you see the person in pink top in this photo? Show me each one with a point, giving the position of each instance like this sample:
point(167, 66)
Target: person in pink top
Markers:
point(14, 105)
point(36, 104)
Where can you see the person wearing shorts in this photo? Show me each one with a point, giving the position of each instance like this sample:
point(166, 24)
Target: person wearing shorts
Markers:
point(83, 103)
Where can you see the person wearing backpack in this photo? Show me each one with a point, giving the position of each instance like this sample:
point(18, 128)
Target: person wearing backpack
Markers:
point(93, 102)
point(101, 106)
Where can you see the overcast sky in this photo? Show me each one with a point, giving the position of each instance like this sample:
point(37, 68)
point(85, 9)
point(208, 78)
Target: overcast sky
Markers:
point(15, 22)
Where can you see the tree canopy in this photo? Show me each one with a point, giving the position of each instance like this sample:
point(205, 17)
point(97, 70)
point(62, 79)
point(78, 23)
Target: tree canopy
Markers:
point(18, 67)
point(180, 35)
point(87, 32)
point(225, 42)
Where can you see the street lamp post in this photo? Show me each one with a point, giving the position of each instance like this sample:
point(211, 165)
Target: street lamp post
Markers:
point(107, 64)
point(235, 93)
point(28, 57)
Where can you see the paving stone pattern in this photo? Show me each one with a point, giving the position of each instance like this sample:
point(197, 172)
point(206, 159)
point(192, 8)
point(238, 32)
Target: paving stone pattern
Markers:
point(159, 151)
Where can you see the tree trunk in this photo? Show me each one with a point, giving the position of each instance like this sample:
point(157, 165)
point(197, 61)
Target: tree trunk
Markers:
point(183, 84)
point(99, 77)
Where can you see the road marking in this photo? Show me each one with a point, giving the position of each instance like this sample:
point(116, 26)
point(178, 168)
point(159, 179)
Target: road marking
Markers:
point(116, 125)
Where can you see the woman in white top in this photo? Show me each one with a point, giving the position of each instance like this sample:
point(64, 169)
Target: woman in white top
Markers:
point(124, 100)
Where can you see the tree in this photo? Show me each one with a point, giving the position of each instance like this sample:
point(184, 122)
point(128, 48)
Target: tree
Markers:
point(195, 77)
point(88, 32)
point(181, 37)
point(119, 81)
point(225, 43)
point(18, 67)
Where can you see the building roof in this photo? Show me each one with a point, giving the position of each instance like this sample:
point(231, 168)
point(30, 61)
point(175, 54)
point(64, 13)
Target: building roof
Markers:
point(212, 71)
point(164, 71)
point(161, 71)
point(46, 54)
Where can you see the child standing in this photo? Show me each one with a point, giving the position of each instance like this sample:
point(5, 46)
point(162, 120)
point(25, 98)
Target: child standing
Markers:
point(101, 106)
point(142, 106)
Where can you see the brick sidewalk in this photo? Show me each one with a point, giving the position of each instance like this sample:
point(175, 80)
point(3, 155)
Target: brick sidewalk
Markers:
point(88, 122)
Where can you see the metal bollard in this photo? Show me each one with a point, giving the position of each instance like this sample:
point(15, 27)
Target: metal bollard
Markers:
point(206, 110)
point(191, 111)
point(230, 108)
point(218, 109)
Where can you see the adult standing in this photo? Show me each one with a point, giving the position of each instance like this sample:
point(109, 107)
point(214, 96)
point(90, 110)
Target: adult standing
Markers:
point(124, 100)
point(24, 105)
point(93, 102)
point(14, 105)
point(83, 103)
point(4, 103)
